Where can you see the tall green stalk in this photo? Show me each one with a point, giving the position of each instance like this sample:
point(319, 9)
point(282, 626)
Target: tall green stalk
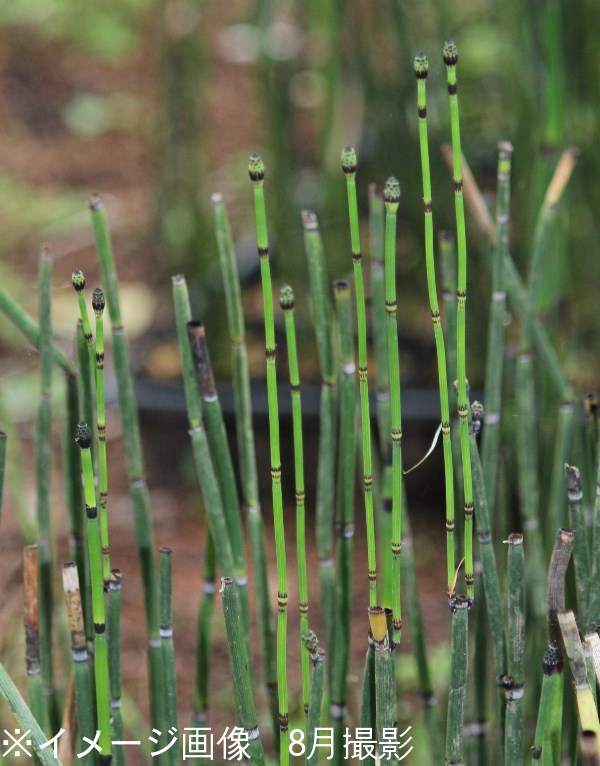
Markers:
point(82, 683)
point(84, 439)
point(317, 656)
point(550, 709)
point(221, 458)
point(205, 630)
point(385, 676)
point(242, 679)
point(496, 327)
point(325, 498)
point(287, 302)
point(458, 682)
point(581, 559)
point(421, 66)
point(513, 684)
point(450, 60)
point(3, 446)
point(98, 304)
point(382, 384)
point(347, 438)
point(35, 691)
point(113, 628)
point(43, 468)
point(78, 280)
point(391, 197)
point(246, 446)
point(168, 650)
point(349, 168)
point(256, 171)
point(134, 461)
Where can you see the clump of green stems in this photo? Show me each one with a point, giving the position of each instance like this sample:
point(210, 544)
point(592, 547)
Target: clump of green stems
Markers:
point(565, 721)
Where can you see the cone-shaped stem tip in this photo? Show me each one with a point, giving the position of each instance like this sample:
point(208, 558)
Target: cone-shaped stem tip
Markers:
point(287, 300)
point(83, 435)
point(310, 640)
point(95, 202)
point(450, 53)
point(421, 66)
point(391, 194)
point(78, 280)
point(98, 300)
point(349, 159)
point(256, 168)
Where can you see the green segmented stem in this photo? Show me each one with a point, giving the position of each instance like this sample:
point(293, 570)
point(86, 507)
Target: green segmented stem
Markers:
point(391, 197)
point(496, 328)
point(382, 385)
point(581, 558)
point(287, 302)
point(550, 708)
point(85, 385)
point(527, 464)
point(26, 720)
point(43, 467)
point(35, 691)
point(134, 460)
point(223, 465)
point(345, 514)
point(84, 702)
point(78, 280)
point(586, 707)
point(113, 632)
point(313, 721)
point(205, 629)
point(73, 488)
point(489, 569)
point(556, 493)
point(27, 325)
point(513, 682)
point(209, 486)
point(98, 304)
point(349, 168)
point(84, 439)
point(421, 68)
point(256, 171)
point(385, 676)
point(325, 498)
point(458, 681)
point(168, 649)
point(368, 713)
point(450, 59)
point(246, 446)
point(242, 680)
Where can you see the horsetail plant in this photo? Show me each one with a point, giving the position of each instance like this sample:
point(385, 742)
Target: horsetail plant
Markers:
point(3, 446)
point(35, 691)
point(385, 676)
point(349, 168)
point(256, 170)
point(246, 446)
point(241, 674)
point(113, 632)
point(221, 458)
point(345, 513)
point(513, 682)
point(204, 640)
point(168, 649)
point(496, 328)
point(313, 721)
point(421, 66)
point(81, 672)
point(98, 304)
point(134, 461)
point(83, 438)
point(324, 509)
point(287, 301)
point(391, 197)
point(43, 452)
point(78, 281)
point(580, 545)
point(450, 60)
